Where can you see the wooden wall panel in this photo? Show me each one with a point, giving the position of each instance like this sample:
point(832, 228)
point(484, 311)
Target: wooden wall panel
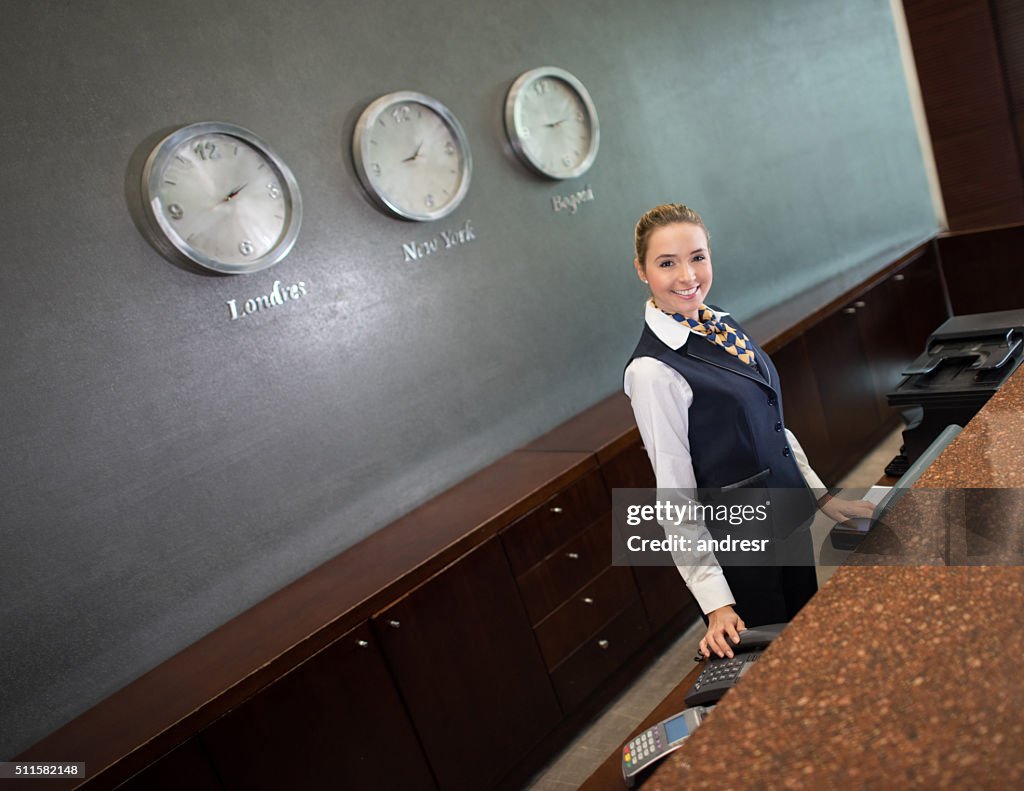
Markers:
point(968, 74)
point(958, 64)
point(1008, 16)
point(980, 170)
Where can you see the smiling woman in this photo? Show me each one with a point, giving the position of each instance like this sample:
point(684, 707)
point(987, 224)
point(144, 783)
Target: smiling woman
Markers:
point(708, 405)
point(676, 242)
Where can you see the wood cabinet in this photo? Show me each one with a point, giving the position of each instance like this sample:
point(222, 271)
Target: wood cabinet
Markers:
point(835, 376)
point(662, 591)
point(802, 407)
point(840, 363)
point(464, 657)
point(984, 270)
point(583, 614)
point(536, 535)
point(596, 659)
point(575, 599)
point(183, 767)
point(922, 299)
point(335, 721)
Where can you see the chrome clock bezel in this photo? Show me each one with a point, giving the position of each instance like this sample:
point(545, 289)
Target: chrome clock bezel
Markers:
point(361, 154)
point(512, 126)
point(165, 233)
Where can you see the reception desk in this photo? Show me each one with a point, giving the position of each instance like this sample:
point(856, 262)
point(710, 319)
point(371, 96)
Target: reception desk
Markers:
point(893, 676)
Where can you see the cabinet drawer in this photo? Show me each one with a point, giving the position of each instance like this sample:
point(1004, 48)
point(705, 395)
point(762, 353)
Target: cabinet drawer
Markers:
point(533, 537)
point(664, 594)
point(580, 674)
point(469, 671)
point(569, 568)
point(308, 728)
point(564, 630)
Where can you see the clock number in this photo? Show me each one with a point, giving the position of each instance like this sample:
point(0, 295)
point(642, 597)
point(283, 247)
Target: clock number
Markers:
point(579, 116)
point(245, 247)
point(400, 113)
point(273, 190)
point(375, 167)
point(429, 200)
point(449, 148)
point(207, 150)
point(541, 87)
point(175, 211)
point(524, 132)
point(566, 161)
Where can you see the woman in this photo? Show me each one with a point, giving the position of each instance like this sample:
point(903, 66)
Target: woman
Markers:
point(707, 403)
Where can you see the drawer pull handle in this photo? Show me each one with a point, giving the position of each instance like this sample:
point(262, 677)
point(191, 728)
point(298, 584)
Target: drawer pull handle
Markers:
point(587, 600)
point(556, 509)
point(849, 311)
point(362, 643)
point(573, 555)
point(860, 304)
point(899, 278)
point(602, 644)
point(394, 624)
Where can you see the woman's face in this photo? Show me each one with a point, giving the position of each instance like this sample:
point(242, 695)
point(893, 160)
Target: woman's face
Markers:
point(677, 267)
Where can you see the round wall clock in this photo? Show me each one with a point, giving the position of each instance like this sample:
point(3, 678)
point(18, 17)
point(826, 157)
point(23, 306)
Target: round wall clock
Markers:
point(219, 195)
point(551, 122)
point(412, 156)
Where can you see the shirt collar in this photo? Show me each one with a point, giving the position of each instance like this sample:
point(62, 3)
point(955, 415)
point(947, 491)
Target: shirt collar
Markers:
point(672, 333)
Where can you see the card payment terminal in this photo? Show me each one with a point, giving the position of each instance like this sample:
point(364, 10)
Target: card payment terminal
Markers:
point(649, 747)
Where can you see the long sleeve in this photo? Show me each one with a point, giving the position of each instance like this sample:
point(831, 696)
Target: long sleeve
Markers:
point(805, 467)
point(661, 400)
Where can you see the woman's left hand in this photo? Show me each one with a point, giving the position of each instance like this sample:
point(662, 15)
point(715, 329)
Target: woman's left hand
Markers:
point(840, 510)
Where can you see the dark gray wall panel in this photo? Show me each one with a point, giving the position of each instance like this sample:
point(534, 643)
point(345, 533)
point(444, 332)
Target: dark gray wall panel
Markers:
point(166, 468)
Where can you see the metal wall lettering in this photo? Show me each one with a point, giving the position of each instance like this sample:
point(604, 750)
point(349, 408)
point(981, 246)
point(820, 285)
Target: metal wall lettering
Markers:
point(572, 201)
point(445, 240)
point(278, 296)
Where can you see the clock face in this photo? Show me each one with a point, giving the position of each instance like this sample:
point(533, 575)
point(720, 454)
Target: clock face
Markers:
point(412, 156)
point(219, 196)
point(551, 122)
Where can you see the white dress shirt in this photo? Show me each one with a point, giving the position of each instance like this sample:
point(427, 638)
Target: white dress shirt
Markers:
point(661, 399)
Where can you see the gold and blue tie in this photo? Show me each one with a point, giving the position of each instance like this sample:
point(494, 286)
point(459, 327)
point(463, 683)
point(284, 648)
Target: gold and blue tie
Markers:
point(719, 333)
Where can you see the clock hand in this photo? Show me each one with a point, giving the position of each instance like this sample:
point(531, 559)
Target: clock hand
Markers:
point(557, 123)
point(235, 191)
point(415, 154)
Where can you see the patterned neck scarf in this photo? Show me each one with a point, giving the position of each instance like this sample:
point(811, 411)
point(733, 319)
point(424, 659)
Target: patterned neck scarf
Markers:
point(719, 333)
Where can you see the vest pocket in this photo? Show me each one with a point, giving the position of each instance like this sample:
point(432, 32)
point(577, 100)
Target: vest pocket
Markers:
point(753, 479)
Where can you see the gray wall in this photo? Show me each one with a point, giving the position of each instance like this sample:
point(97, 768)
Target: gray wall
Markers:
point(165, 468)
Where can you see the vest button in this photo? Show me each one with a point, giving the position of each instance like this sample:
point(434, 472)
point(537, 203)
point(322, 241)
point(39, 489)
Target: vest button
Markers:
point(778, 426)
point(771, 401)
point(785, 451)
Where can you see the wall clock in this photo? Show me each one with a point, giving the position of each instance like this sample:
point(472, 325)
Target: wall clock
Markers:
point(217, 194)
point(551, 122)
point(412, 156)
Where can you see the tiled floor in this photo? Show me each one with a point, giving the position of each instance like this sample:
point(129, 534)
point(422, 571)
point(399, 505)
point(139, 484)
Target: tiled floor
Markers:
point(613, 726)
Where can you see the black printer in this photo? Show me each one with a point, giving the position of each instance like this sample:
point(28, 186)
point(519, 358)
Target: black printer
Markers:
point(965, 361)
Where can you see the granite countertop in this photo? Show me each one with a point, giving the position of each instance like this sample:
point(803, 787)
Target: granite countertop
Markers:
point(902, 674)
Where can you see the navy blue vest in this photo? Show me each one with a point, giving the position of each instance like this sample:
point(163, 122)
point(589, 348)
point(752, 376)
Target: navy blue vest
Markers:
point(736, 428)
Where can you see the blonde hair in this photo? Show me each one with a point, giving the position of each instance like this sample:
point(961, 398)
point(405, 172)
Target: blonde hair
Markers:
point(660, 216)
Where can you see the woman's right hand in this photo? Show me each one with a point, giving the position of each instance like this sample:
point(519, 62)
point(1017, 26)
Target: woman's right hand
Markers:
point(722, 622)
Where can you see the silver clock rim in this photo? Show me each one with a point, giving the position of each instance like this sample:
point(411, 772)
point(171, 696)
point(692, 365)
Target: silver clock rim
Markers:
point(360, 153)
point(522, 82)
point(152, 174)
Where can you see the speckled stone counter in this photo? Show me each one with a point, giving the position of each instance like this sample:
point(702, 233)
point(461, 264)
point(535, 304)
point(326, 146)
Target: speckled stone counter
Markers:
point(894, 676)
